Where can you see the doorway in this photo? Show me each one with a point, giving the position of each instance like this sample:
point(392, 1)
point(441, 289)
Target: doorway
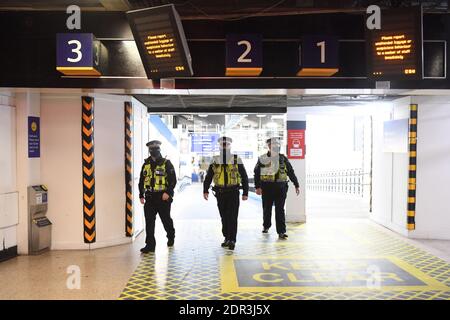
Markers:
point(190, 142)
point(338, 166)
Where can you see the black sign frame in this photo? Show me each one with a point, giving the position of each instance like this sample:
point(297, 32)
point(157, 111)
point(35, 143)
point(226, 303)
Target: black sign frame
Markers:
point(179, 35)
point(417, 24)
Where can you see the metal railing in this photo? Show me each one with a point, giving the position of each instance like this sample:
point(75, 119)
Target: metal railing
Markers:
point(183, 183)
point(349, 181)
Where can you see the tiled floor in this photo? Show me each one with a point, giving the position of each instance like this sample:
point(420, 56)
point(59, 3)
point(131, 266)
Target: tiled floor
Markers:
point(323, 259)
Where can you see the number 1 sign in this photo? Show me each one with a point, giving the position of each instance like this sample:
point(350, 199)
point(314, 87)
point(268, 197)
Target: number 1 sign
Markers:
point(319, 56)
point(77, 54)
point(244, 55)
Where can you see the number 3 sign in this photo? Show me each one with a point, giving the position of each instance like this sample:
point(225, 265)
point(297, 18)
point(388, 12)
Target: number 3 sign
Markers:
point(77, 54)
point(244, 55)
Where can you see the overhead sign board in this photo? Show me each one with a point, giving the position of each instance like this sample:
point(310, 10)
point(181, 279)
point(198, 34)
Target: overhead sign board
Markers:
point(319, 56)
point(395, 50)
point(244, 55)
point(78, 54)
point(161, 42)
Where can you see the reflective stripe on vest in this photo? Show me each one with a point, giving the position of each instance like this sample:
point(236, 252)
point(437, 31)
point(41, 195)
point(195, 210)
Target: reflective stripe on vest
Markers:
point(159, 174)
point(271, 171)
point(232, 172)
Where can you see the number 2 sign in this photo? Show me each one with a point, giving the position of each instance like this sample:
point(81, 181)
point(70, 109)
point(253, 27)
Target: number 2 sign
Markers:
point(77, 54)
point(243, 55)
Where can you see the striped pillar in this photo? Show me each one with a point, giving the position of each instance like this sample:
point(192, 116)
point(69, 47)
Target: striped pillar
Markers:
point(128, 169)
point(411, 223)
point(87, 134)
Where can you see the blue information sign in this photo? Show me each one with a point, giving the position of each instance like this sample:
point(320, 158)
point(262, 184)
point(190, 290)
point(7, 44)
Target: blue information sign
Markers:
point(245, 154)
point(77, 54)
point(34, 137)
point(204, 143)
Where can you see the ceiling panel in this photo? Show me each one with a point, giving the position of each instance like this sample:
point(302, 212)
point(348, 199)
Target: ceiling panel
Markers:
point(213, 101)
point(252, 103)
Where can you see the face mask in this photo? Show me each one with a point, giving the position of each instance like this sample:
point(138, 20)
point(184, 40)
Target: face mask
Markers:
point(155, 152)
point(275, 149)
point(225, 147)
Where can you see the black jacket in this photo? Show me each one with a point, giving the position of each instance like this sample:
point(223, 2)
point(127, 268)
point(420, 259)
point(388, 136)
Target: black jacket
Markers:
point(290, 171)
point(242, 173)
point(170, 171)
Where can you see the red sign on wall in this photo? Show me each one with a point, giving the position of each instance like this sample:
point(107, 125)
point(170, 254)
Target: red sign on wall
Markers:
point(296, 144)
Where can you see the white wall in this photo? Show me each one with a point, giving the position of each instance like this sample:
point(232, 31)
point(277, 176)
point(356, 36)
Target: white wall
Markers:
point(8, 149)
point(9, 211)
point(296, 205)
point(331, 137)
point(28, 103)
point(390, 171)
point(109, 147)
point(62, 169)
point(433, 168)
point(140, 153)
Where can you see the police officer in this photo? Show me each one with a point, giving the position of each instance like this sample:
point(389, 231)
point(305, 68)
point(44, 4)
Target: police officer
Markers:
point(228, 173)
point(271, 181)
point(156, 189)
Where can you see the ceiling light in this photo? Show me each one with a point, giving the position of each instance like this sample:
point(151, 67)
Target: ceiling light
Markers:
point(261, 115)
point(203, 115)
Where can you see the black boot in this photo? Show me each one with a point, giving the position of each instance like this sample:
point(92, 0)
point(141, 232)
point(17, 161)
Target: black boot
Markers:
point(231, 245)
point(170, 242)
point(225, 243)
point(147, 249)
point(282, 236)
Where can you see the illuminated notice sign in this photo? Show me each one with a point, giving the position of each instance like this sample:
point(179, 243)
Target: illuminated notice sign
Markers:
point(395, 51)
point(161, 42)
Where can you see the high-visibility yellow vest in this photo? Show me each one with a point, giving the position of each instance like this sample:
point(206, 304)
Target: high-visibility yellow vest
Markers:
point(159, 174)
point(230, 169)
point(271, 171)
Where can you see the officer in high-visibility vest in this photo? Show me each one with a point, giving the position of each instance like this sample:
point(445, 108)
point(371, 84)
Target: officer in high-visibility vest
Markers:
point(156, 189)
point(228, 173)
point(271, 181)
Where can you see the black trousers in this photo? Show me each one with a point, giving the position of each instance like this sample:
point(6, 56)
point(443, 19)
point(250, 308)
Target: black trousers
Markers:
point(274, 193)
point(155, 205)
point(228, 204)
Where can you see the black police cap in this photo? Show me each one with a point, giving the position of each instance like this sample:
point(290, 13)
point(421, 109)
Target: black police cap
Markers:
point(224, 139)
point(154, 144)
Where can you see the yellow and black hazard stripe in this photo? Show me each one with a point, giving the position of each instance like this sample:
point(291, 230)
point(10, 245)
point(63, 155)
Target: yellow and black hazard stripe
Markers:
point(87, 134)
point(412, 167)
point(128, 170)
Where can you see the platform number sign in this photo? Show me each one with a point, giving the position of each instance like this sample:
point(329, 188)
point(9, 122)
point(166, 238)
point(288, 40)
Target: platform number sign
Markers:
point(77, 54)
point(318, 56)
point(243, 55)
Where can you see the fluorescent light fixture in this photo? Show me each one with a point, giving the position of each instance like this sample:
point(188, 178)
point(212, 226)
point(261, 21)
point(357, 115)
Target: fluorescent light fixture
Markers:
point(203, 115)
point(261, 115)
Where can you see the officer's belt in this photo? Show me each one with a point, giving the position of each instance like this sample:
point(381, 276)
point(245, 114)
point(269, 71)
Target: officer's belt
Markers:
point(218, 189)
point(150, 190)
point(274, 182)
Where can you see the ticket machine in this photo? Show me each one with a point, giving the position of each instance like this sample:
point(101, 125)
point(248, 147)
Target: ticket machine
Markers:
point(40, 227)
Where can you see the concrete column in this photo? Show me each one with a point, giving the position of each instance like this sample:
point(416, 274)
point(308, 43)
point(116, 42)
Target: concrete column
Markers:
point(295, 205)
point(28, 170)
